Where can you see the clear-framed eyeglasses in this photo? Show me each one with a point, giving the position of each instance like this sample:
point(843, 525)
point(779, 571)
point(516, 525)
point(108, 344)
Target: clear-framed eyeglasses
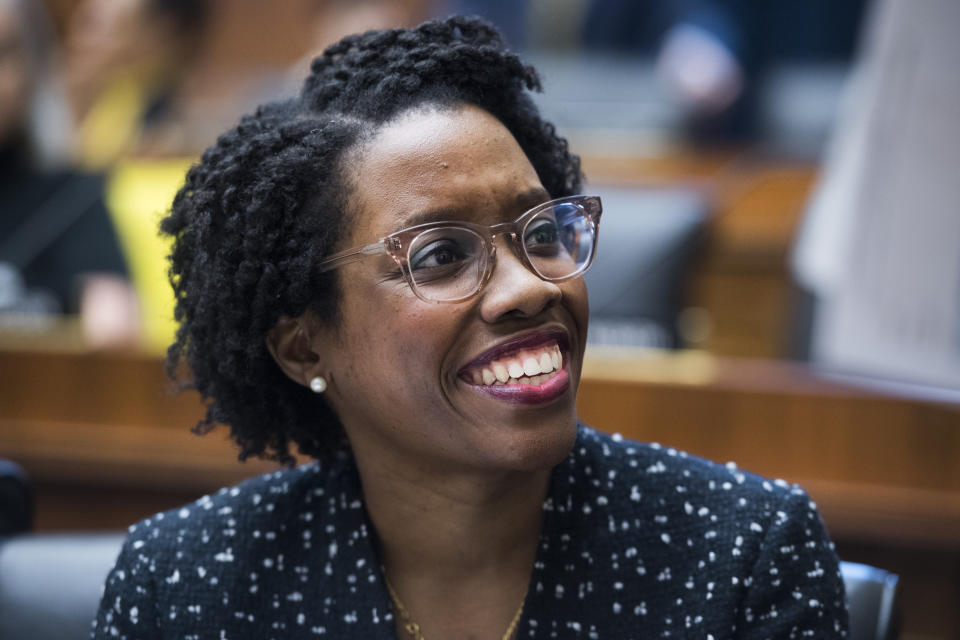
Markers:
point(452, 261)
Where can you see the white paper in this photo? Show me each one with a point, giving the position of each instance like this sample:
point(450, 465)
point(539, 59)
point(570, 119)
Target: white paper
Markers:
point(880, 246)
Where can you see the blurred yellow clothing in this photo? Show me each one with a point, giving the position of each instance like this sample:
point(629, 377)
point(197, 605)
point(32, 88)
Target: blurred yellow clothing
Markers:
point(112, 127)
point(140, 193)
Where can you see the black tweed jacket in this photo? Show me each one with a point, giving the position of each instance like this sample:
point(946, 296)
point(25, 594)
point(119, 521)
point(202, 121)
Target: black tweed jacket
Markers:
point(638, 541)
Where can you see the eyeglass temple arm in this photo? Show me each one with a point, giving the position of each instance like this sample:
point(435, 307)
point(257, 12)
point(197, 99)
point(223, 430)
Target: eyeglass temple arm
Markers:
point(351, 255)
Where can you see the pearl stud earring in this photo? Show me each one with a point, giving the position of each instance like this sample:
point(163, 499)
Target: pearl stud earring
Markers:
point(318, 384)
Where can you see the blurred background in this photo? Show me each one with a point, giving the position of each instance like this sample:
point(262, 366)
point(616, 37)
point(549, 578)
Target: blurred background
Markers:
point(778, 280)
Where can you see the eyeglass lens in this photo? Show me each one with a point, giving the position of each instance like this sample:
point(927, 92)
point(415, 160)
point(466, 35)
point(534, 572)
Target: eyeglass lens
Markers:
point(448, 263)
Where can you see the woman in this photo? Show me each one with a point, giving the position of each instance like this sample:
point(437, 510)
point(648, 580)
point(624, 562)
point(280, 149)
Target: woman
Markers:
point(386, 274)
point(58, 249)
point(127, 66)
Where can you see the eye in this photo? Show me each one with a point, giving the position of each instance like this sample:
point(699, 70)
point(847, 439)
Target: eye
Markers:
point(541, 234)
point(437, 254)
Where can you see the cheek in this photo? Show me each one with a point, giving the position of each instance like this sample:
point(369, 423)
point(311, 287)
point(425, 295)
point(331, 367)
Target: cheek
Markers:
point(424, 339)
point(576, 300)
point(576, 303)
point(400, 340)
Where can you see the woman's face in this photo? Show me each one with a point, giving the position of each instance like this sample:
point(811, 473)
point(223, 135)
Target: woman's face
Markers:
point(406, 375)
point(107, 37)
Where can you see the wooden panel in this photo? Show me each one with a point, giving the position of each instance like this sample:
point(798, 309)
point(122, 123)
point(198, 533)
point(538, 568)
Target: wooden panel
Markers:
point(881, 467)
point(109, 418)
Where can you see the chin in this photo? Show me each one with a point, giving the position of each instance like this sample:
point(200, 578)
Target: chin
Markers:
point(544, 448)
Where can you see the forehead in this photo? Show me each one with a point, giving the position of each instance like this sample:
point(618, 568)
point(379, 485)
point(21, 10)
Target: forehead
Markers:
point(450, 163)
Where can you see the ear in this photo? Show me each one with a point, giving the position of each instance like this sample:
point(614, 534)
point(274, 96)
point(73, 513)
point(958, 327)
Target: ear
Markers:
point(290, 344)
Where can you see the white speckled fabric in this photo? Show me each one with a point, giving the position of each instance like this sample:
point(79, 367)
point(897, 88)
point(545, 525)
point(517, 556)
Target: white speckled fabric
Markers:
point(638, 541)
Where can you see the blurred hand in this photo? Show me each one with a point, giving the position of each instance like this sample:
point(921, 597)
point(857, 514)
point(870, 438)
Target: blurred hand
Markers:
point(109, 312)
point(699, 70)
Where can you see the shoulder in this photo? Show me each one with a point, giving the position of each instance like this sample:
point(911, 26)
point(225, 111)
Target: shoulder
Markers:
point(678, 494)
point(251, 508)
point(673, 475)
point(214, 535)
point(246, 548)
point(680, 529)
point(247, 560)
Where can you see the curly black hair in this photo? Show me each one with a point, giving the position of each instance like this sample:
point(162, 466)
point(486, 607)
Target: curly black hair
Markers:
point(269, 200)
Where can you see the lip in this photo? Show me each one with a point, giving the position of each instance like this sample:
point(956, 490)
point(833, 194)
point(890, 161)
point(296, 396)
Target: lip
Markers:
point(529, 394)
point(520, 393)
point(530, 340)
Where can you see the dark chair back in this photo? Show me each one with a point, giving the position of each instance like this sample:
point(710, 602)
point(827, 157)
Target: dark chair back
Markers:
point(648, 239)
point(50, 584)
point(873, 599)
point(16, 500)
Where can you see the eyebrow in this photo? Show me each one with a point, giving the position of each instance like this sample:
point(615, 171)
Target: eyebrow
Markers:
point(525, 201)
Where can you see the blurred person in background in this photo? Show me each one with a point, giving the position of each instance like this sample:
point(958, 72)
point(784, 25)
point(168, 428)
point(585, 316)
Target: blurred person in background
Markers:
point(126, 63)
point(58, 250)
point(330, 20)
point(713, 56)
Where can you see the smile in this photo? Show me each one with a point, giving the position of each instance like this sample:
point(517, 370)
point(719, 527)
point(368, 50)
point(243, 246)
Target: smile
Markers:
point(526, 367)
point(531, 370)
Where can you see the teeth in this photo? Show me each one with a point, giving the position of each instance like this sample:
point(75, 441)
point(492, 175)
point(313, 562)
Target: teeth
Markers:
point(526, 368)
point(546, 363)
point(530, 366)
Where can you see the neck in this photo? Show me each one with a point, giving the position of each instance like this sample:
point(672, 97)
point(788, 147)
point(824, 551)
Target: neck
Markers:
point(457, 524)
point(457, 548)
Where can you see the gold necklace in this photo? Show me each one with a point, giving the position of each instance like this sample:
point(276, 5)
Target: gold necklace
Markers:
point(413, 629)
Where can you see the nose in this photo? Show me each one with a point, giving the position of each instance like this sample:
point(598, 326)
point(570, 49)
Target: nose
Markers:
point(514, 290)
